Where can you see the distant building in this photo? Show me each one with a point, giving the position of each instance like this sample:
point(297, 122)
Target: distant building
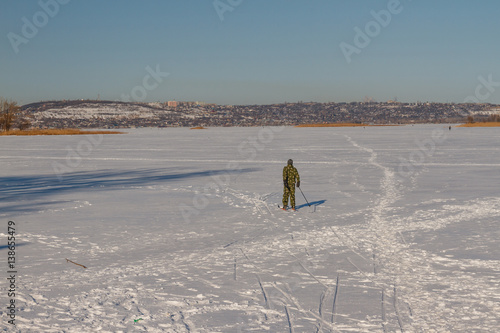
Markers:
point(193, 104)
point(173, 104)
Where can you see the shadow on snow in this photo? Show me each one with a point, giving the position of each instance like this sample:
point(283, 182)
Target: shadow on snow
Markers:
point(15, 188)
point(3, 247)
point(315, 203)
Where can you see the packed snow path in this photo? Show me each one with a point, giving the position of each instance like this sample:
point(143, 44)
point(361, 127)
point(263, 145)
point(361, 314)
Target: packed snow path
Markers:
point(180, 231)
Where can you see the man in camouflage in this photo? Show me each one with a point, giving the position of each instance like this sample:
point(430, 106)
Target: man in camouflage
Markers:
point(290, 178)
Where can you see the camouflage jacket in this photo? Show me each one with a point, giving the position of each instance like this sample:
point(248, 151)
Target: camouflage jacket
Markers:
point(290, 175)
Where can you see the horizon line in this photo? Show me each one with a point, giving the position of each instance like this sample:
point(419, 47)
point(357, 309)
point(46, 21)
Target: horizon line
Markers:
point(279, 103)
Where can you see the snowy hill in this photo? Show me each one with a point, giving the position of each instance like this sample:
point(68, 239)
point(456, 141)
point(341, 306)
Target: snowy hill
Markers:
point(105, 114)
point(179, 230)
point(110, 114)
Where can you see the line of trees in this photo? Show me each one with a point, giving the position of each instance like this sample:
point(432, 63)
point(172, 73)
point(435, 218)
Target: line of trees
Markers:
point(11, 116)
point(495, 118)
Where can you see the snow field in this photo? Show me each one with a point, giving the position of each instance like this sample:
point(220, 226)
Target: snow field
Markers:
point(181, 228)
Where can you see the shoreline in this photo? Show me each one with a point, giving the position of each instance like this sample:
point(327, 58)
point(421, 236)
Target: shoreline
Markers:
point(485, 124)
point(69, 131)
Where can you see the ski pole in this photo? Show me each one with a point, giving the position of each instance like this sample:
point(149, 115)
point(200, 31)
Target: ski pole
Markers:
point(304, 197)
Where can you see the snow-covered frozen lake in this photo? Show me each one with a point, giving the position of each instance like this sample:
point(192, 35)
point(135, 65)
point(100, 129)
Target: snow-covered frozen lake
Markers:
point(180, 232)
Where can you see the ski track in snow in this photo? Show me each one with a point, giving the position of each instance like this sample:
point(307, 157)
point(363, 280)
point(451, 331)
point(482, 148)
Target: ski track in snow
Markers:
point(408, 270)
point(310, 271)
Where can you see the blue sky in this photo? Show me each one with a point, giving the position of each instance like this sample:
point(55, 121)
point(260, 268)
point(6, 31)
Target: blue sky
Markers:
point(250, 51)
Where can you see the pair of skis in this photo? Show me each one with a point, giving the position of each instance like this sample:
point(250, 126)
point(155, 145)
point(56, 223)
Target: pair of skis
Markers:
point(287, 209)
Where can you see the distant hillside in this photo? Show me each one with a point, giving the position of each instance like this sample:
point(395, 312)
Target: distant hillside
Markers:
point(114, 114)
point(98, 114)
